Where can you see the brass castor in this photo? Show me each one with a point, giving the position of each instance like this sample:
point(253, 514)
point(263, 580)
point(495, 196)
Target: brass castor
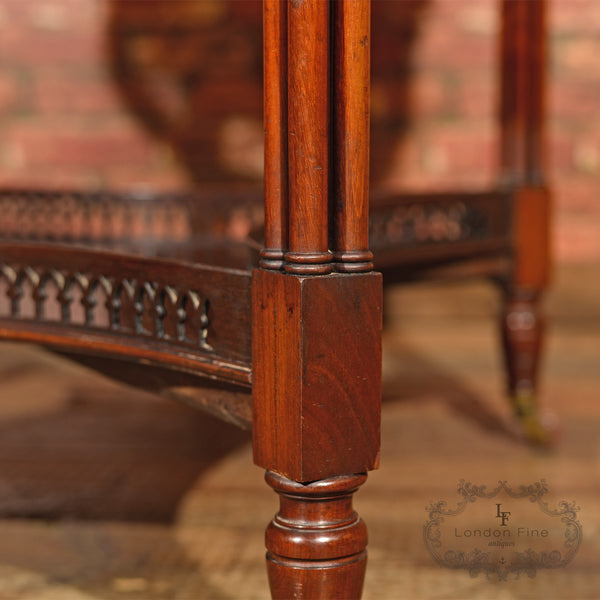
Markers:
point(539, 429)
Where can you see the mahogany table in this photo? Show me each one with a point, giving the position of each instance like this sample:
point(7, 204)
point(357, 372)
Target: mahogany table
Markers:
point(287, 340)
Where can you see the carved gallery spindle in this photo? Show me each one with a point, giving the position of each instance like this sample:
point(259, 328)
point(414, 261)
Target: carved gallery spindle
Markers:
point(142, 308)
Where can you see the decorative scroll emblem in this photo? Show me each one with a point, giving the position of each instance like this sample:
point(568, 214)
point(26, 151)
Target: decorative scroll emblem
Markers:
point(503, 531)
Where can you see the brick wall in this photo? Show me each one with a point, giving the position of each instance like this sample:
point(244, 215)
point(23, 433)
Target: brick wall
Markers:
point(61, 121)
point(574, 106)
point(452, 129)
point(164, 94)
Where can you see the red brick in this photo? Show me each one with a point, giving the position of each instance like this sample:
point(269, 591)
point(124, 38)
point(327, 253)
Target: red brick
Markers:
point(450, 12)
point(574, 99)
point(51, 49)
point(51, 178)
point(65, 145)
point(429, 95)
point(576, 194)
point(9, 92)
point(586, 156)
point(405, 168)
point(468, 148)
point(57, 93)
point(479, 17)
point(64, 15)
point(445, 43)
point(574, 17)
point(575, 239)
point(452, 54)
point(445, 156)
point(476, 97)
point(433, 63)
point(25, 43)
point(126, 178)
point(578, 55)
point(560, 150)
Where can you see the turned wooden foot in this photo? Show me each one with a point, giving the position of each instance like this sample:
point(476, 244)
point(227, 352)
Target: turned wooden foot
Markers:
point(522, 337)
point(316, 544)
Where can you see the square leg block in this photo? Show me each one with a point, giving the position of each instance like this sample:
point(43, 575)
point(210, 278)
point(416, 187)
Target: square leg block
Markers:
point(316, 373)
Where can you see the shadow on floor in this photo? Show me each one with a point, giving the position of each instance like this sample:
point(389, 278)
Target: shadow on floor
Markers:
point(417, 379)
point(109, 452)
point(106, 452)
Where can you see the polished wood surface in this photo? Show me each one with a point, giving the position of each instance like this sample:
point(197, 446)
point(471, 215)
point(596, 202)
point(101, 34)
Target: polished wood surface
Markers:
point(318, 533)
point(309, 103)
point(82, 460)
point(351, 102)
point(317, 334)
point(522, 96)
point(316, 374)
point(276, 133)
point(523, 144)
point(303, 330)
point(191, 318)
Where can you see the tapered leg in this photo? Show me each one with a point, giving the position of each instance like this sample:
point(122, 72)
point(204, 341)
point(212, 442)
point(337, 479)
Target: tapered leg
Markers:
point(523, 144)
point(316, 544)
point(522, 338)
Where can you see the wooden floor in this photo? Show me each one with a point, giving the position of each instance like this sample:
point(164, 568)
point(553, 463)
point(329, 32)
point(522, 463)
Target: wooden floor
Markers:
point(106, 493)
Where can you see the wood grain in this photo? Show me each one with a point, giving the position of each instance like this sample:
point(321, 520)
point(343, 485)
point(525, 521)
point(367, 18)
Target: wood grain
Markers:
point(350, 158)
point(308, 141)
point(522, 100)
point(316, 373)
point(316, 543)
point(137, 334)
point(276, 133)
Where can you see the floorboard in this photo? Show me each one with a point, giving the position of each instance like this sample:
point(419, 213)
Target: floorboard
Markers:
point(109, 493)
